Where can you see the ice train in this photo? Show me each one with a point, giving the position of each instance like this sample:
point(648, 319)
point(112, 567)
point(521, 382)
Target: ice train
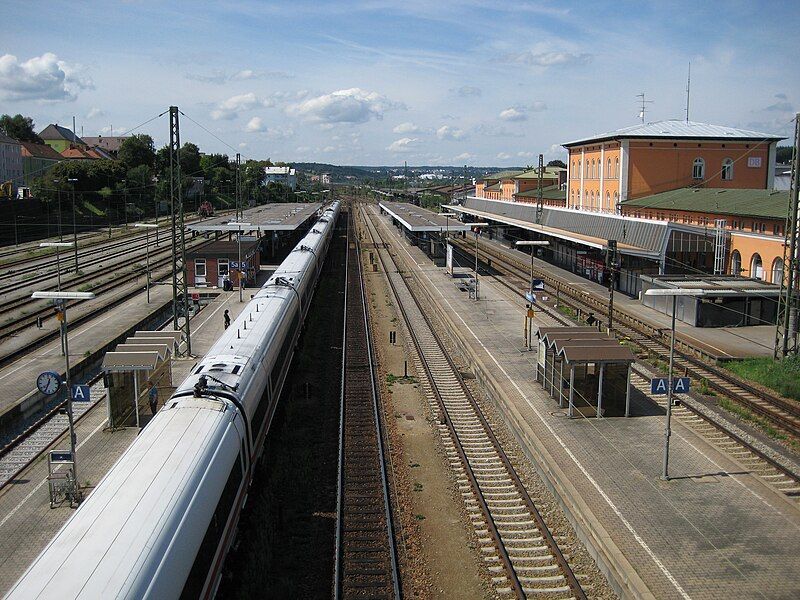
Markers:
point(160, 522)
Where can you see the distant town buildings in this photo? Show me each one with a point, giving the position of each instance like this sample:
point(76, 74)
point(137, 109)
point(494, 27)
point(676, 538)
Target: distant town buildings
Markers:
point(109, 144)
point(10, 165)
point(283, 175)
point(325, 179)
point(60, 138)
point(37, 160)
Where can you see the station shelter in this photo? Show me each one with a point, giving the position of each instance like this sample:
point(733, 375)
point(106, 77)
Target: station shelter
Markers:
point(585, 370)
point(424, 228)
point(214, 263)
point(138, 377)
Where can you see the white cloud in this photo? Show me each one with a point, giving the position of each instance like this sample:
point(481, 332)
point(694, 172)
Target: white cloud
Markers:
point(405, 144)
point(353, 105)
point(465, 156)
point(526, 154)
point(491, 130)
point(445, 132)
point(255, 125)
point(302, 149)
point(513, 114)
point(547, 59)
point(43, 78)
point(406, 128)
point(94, 112)
point(242, 144)
point(329, 149)
point(220, 77)
point(467, 91)
point(503, 156)
point(229, 109)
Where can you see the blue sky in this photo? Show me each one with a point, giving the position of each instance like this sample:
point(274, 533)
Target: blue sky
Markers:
point(376, 82)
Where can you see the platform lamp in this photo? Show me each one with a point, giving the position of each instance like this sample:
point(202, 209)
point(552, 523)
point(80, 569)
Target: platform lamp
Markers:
point(59, 301)
point(477, 226)
point(147, 227)
point(674, 293)
point(532, 243)
point(239, 226)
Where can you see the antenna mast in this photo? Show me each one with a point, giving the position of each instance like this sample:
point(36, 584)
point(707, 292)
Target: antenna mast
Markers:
point(643, 107)
point(688, 87)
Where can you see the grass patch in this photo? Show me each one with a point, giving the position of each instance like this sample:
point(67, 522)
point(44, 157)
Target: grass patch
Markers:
point(419, 517)
point(85, 287)
point(418, 487)
point(566, 311)
point(783, 376)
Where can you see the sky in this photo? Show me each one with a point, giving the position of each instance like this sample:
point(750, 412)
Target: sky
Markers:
point(374, 82)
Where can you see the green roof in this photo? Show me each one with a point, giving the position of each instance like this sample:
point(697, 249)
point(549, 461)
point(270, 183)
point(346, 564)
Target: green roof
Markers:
point(501, 175)
point(551, 192)
point(767, 204)
point(550, 172)
point(495, 187)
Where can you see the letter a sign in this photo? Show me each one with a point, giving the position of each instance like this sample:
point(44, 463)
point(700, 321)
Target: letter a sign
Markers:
point(659, 385)
point(80, 393)
point(681, 385)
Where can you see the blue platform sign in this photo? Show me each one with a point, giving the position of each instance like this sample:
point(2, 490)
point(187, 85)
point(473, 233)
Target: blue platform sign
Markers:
point(660, 385)
point(80, 393)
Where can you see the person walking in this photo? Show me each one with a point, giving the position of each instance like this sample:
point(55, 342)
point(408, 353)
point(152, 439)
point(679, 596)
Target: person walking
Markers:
point(227, 319)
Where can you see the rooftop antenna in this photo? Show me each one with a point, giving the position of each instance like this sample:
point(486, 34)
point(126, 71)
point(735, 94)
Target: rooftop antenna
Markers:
point(644, 103)
point(688, 87)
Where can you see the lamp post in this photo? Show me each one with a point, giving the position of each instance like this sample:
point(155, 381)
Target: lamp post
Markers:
point(147, 227)
point(239, 226)
point(477, 226)
point(60, 235)
point(674, 293)
point(59, 300)
point(530, 297)
point(58, 245)
point(74, 225)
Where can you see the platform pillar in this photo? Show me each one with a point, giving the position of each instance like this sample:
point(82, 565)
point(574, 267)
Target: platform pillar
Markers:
point(571, 391)
point(600, 390)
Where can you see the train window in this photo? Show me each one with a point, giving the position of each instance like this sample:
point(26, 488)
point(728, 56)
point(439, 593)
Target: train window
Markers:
point(258, 417)
point(211, 540)
point(236, 369)
point(200, 368)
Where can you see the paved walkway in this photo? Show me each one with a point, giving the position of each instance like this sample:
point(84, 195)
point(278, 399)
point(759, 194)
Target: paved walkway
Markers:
point(27, 523)
point(714, 531)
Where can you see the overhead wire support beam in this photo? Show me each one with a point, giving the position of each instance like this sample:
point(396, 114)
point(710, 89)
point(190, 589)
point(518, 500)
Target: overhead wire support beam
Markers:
point(180, 293)
point(786, 330)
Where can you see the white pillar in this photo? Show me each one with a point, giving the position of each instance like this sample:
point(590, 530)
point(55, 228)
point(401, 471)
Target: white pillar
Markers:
point(628, 393)
point(600, 389)
point(582, 170)
point(571, 391)
point(136, 396)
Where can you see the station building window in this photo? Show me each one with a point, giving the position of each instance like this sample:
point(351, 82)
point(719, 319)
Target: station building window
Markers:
point(609, 172)
point(594, 170)
point(756, 267)
point(608, 200)
point(736, 263)
point(727, 169)
point(199, 267)
point(222, 268)
point(616, 169)
point(777, 271)
point(698, 168)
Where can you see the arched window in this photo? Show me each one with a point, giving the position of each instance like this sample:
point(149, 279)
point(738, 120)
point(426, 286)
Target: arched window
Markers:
point(698, 168)
point(572, 198)
point(575, 174)
point(594, 170)
point(616, 169)
point(736, 263)
point(580, 171)
point(727, 169)
point(591, 200)
point(608, 172)
point(777, 271)
point(616, 201)
point(756, 267)
point(608, 201)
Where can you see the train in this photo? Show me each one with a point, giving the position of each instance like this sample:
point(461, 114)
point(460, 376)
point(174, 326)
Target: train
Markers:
point(206, 209)
point(161, 521)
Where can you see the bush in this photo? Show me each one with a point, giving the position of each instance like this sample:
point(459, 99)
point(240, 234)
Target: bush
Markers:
point(783, 376)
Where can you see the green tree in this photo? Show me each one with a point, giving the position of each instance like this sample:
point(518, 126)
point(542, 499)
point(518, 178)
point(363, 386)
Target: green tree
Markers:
point(138, 150)
point(190, 160)
point(557, 163)
point(20, 128)
point(783, 154)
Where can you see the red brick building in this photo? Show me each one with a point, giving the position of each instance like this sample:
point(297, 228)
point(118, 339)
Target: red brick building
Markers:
point(210, 265)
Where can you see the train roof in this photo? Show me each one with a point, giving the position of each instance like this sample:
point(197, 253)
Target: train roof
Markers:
point(113, 544)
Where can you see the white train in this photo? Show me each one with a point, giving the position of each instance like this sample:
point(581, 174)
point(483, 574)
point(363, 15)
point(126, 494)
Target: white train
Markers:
point(161, 521)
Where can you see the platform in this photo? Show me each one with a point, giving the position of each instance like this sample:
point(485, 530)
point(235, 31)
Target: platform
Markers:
point(27, 523)
point(278, 216)
point(18, 379)
point(719, 342)
point(714, 531)
point(417, 219)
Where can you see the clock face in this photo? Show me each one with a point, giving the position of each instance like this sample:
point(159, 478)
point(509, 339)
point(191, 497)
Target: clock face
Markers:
point(48, 382)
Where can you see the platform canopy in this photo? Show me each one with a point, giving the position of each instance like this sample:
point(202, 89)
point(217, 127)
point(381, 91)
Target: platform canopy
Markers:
point(414, 218)
point(278, 216)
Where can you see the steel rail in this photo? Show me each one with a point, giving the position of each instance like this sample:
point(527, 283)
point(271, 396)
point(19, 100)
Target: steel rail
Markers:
point(569, 575)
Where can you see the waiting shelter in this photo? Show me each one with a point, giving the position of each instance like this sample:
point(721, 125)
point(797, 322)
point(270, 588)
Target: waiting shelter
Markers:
point(138, 375)
point(586, 370)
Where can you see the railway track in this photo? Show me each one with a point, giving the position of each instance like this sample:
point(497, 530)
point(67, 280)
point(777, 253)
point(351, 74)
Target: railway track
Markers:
point(756, 461)
point(366, 561)
point(45, 311)
point(782, 412)
point(521, 553)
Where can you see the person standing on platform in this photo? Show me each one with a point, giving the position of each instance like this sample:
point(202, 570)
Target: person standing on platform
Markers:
point(227, 319)
point(153, 400)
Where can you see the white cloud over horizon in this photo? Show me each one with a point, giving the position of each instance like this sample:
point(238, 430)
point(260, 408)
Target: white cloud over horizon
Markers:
point(42, 78)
